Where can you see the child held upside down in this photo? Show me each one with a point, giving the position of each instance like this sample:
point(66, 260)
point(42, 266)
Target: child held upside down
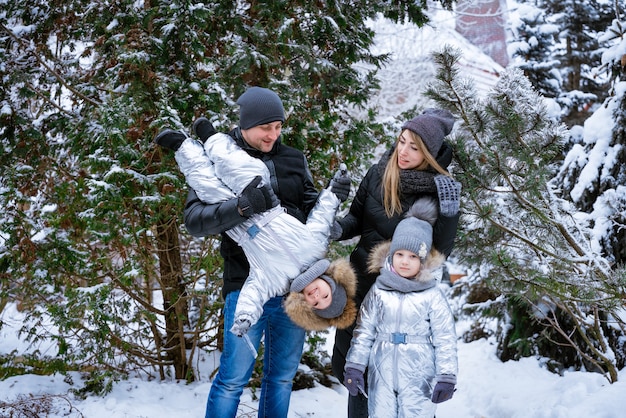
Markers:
point(405, 334)
point(284, 254)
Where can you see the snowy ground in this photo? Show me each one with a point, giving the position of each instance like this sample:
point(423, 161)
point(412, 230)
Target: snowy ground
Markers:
point(487, 389)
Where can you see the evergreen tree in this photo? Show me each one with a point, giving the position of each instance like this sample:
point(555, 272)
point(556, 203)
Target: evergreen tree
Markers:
point(533, 46)
point(91, 209)
point(579, 52)
point(522, 240)
point(593, 175)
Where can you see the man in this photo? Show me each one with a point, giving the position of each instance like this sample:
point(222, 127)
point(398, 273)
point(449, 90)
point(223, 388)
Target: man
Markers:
point(261, 116)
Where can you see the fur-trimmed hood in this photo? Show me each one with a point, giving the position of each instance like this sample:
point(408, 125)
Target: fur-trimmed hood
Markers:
point(303, 315)
point(379, 254)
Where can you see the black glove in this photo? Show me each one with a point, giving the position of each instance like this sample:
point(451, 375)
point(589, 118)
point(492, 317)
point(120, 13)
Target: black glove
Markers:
point(449, 192)
point(353, 380)
point(256, 200)
point(271, 200)
point(336, 231)
point(442, 392)
point(340, 183)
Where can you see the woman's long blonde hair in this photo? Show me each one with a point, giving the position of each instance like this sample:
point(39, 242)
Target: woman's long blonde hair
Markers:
point(391, 177)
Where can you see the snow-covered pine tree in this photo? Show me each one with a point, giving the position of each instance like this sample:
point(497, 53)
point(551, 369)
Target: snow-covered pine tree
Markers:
point(593, 175)
point(519, 237)
point(532, 47)
point(578, 24)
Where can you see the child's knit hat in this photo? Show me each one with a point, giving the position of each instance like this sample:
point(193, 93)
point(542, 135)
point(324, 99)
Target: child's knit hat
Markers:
point(340, 271)
point(415, 231)
point(316, 270)
point(432, 126)
point(258, 106)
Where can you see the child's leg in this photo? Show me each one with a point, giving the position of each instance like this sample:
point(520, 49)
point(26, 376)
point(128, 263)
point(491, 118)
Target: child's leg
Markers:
point(232, 165)
point(200, 173)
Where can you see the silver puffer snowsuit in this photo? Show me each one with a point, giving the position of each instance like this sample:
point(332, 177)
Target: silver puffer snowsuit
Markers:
point(406, 340)
point(278, 246)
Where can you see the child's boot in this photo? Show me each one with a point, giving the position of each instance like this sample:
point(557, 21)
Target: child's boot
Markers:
point(203, 128)
point(170, 138)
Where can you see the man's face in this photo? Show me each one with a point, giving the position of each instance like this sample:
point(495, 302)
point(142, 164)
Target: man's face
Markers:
point(263, 137)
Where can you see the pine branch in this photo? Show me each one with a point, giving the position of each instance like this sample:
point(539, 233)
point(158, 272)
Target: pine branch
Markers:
point(58, 76)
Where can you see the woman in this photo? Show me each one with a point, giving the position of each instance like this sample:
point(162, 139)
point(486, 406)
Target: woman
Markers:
point(414, 167)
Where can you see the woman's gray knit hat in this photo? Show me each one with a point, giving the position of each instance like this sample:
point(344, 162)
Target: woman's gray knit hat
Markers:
point(432, 126)
point(258, 106)
point(339, 296)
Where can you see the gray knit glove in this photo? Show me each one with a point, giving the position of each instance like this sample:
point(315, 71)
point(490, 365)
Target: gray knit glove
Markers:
point(449, 192)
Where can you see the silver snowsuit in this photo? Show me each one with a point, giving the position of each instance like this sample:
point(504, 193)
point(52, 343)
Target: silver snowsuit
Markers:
point(277, 245)
point(406, 340)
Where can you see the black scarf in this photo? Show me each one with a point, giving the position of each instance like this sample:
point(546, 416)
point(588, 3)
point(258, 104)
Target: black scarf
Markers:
point(412, 182)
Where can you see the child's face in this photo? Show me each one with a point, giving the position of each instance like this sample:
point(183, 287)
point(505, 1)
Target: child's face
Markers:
point(406, 263)
point(317, 294)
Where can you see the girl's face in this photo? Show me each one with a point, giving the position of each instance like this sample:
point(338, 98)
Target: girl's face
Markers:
point(318, 294)
point(406, 263)
point(409, 155)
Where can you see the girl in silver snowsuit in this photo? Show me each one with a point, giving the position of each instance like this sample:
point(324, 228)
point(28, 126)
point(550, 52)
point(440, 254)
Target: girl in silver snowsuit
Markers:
point(278, 246)
point(405, 333)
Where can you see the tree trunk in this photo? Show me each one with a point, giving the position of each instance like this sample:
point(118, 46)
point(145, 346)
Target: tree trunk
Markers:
point(174, 297)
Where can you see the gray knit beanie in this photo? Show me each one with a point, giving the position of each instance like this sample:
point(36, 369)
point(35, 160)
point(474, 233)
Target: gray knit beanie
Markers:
point(432, 126)
point(415, 231)
point(339, 297)
point(258, 106)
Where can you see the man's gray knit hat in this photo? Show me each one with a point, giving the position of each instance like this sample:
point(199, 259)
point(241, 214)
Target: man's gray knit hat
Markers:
point(258, 106)
point(415, 231)
point(432, 126)
point(339, 296)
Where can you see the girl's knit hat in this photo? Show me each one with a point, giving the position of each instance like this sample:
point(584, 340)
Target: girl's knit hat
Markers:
point(258, 106)
point(432, 126)
point(415, 231)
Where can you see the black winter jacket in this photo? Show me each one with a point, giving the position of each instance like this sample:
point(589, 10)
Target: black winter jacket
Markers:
point(368, 219)
point(293, 184)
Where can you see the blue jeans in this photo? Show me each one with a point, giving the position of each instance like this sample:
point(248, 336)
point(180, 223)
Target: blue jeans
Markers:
point(283, 348)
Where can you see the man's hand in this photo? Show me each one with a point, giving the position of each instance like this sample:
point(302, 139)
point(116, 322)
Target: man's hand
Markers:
point(255, 199)
point(340, 183)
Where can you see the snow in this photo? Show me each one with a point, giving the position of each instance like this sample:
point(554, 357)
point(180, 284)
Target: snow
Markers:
point(486, 388)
